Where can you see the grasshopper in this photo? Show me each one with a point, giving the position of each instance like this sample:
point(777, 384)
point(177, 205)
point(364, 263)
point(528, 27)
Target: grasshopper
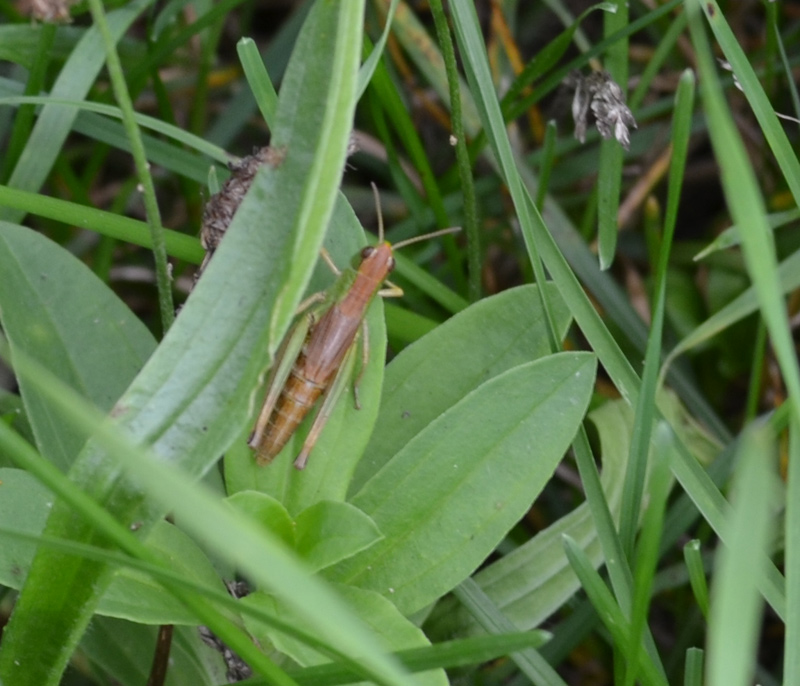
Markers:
point(318, 356)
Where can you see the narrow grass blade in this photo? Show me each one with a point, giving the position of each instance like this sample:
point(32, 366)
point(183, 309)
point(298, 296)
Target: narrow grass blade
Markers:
point(693, 672)
point(646, 559)
point(734, 620)
point(530, 661)
point(179, 245)
point(742, 193)
point(697, 574)
point(610, 612)
point(609, 181)
point(791, 659)
point(646, 407)
point(258, 79)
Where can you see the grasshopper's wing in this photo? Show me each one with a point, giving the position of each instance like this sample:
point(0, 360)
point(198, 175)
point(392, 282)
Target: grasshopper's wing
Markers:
point(332, 395)
point(284, 361)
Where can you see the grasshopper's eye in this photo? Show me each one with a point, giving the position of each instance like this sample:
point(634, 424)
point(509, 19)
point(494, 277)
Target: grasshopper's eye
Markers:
point(366, 252)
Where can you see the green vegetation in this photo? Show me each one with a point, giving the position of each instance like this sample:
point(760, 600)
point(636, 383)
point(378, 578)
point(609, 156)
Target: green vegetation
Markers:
point(580, 464)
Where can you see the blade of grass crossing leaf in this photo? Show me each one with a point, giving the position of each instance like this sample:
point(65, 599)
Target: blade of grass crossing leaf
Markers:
point(237, 539)
point(791, 658)
point(734, 620)
point(27, 457)
point(745, 201)
point(645, 409)
point(163, 281)
point(189, 591)
point(530, 661)
point(140, 558)
point(457, 653)
point(258, 79)
point(697, 574)
point(609, 612)
point(534, 231)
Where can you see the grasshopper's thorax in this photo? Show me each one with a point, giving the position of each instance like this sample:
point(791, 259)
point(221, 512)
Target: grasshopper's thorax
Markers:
point(376, 263)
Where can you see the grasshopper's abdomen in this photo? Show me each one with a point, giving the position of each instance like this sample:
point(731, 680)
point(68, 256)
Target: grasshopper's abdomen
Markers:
point(295, 401)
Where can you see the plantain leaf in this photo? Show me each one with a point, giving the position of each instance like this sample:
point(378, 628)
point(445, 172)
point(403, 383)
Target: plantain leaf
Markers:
point(447, 498)
point(475, 345)
point(84, 334)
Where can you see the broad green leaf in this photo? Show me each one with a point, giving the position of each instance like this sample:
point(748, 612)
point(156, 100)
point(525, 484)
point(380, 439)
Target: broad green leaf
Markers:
point(389, 626)
point(450, 495)
point(323, 534)
point(84, 334)
point(328, 532)
point(135, 596)
point(24, 504)
point(12, 412)
point(268, 512)
point(475, 345)
point(193, 396)
point(535, 579)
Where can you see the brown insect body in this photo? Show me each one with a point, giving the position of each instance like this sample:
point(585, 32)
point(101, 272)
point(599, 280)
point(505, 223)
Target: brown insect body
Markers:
point(325, 347)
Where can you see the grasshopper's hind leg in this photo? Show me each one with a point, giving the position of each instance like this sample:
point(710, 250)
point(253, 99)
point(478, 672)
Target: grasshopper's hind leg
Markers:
point(331, 397)
point(281, 368)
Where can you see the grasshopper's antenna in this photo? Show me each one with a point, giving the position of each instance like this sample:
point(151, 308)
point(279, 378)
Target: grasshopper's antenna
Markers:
point(378, 210)
point(433, 234)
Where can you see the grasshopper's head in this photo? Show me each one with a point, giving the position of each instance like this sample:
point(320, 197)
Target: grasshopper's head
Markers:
point(375, 261)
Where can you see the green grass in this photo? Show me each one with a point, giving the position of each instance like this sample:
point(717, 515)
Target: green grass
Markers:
point(581, 460)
